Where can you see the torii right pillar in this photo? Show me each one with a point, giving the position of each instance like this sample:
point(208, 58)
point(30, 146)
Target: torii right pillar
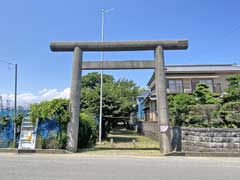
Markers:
point(162, 102)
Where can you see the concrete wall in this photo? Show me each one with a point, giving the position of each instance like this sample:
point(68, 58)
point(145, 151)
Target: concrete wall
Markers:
point(196, 139)
point(222, 80)
point(149, 129)
point(152, 131)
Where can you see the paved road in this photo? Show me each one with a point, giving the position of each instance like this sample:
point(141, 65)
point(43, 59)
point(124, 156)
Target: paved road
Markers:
point(69, 167)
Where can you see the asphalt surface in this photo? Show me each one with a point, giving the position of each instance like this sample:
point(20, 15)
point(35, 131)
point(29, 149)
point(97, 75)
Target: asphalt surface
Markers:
point(69, 167)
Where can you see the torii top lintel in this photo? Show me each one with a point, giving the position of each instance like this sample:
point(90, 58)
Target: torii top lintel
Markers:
point(120, 45)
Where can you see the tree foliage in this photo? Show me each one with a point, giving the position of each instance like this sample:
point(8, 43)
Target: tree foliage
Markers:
point(118, 96)
point(179, 107)
point(204, 95)
point(118, 100)
point(200, 115)
point(206, 109)
point(233, 91)
point(4, 121)
point(87, 130)
point(56, 109)
point(92, 80)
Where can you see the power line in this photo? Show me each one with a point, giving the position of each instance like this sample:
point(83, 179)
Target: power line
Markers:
point(4, 61)
point(10, 64)
point(231, 32)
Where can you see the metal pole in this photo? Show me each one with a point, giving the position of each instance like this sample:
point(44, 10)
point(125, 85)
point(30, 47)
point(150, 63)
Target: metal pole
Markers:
point(15, 100)
point(101, 85)
point(15, 103)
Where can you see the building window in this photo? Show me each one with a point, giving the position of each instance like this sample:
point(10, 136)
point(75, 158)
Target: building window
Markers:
point(209, 82)
point(175, 86)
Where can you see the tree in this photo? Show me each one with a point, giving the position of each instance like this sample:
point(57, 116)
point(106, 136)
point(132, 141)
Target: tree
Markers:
point(92, 80)
point(4, 121)
point(179, 107)
point(201, 115)
point(118, 100)
point(233, 91)
point(87, 130)
point(126, 91)
point(206, 109)
point(118, 97)
point(204, 95)
point(56, 109)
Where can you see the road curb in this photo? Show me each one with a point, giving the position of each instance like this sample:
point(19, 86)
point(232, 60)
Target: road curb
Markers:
point(8, 150)
point(36, 151)
point(61, 151)
point(204, 154)
point(52, 151)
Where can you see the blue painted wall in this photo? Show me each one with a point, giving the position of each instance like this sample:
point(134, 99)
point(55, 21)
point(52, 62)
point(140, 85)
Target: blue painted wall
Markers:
point(140, 104)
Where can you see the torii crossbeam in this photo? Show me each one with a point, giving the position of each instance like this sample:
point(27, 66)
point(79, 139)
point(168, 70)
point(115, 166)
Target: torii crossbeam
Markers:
point(158, 64)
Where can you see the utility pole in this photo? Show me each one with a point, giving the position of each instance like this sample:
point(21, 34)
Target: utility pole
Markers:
point(101, 85)
point(15, 102)
point(8, 105)
point(15, 98)
point(1, 103)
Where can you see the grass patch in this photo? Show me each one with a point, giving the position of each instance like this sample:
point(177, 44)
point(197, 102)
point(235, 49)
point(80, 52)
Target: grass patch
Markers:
point(123, 144)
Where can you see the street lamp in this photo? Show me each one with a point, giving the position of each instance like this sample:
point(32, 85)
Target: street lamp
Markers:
point(101, 85)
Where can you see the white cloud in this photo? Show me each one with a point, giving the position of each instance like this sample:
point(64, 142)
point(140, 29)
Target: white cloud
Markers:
point(25, 99)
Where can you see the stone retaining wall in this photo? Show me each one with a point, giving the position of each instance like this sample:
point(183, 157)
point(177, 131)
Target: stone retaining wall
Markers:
point(196, 139)
point(210, 139)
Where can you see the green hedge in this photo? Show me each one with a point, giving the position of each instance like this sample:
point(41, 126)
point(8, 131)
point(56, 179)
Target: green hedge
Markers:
point(87, 130)
point(231, 106)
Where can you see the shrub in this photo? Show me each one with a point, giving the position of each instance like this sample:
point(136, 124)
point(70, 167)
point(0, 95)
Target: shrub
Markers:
point(231, 106)
point(233, 91)
point(233, 119)
point(206, 109)
point(200, 115)
point(55, 109)
point(87, 130)
point(4, 121)
point(205, 96)
point(179, 107)
point(229, 114)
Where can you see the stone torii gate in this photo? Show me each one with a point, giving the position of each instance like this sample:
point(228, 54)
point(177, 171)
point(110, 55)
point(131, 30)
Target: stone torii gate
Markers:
point(158, 64)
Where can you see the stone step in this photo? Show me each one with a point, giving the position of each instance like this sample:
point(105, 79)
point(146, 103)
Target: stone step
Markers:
point(25, 140)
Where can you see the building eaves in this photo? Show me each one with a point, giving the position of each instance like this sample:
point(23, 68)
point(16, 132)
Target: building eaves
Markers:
point(202, 68)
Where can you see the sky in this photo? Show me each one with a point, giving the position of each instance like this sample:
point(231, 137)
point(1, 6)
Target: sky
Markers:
point(28, 27)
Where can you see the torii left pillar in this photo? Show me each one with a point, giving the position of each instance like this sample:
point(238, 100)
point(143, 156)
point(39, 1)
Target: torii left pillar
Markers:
point(73, 125)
